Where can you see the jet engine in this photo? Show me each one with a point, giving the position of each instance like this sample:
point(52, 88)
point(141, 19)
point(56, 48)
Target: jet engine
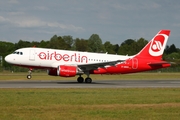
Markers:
point(63, 70)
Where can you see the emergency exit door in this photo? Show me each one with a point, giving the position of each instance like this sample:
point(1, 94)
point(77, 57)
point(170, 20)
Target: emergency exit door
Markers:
point(134, 63)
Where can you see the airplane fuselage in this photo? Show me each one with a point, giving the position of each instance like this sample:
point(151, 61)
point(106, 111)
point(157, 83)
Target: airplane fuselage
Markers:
point(67, 63)
point(50, 58)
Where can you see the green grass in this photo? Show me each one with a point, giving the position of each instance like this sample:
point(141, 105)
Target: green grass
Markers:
point(90, 104)
point(134, 76)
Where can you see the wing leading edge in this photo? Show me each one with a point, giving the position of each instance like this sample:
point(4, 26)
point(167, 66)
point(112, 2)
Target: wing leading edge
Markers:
point(91, 66)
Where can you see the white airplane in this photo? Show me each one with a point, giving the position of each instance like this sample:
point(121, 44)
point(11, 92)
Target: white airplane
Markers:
point(66, 63)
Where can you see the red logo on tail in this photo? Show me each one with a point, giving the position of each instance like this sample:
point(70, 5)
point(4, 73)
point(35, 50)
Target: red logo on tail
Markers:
point(158, 45)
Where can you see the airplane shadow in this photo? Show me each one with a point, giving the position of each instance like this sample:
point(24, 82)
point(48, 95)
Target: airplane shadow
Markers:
point(57, 82)
point(95, 83)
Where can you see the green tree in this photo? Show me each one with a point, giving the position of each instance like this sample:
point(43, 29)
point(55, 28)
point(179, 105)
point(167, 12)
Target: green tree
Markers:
point(53, 43)
point(173, 48)
point(80, 45)
point(127, 47)
point(43, 44)
point(173, 56)
point(141, 43)
point(23, 44)
point(35, 44)
point(5, 49)
point(68, 42)
point(109, 47)
point(132, 47)
point(95, 44)
point(115, 48)
point(166, 49)
point(58, 42)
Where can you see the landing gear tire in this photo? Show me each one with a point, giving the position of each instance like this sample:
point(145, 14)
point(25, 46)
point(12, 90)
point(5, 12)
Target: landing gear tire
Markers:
point(80, 79)
point(88, 80)
point(29, 76)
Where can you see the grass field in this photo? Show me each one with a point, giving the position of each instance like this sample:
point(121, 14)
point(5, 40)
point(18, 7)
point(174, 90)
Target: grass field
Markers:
point(91, 104)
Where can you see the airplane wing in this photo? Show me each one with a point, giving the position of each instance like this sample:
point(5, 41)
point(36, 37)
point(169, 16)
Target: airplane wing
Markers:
point(90, 66)
point(97, 65)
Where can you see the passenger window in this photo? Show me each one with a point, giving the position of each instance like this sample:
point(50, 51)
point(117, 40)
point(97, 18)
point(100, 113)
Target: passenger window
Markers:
point(21, 53)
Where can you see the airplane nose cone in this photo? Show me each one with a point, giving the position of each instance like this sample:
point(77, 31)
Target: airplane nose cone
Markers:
point(8, 59)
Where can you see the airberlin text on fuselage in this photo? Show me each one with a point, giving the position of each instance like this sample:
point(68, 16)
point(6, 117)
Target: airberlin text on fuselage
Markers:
point(74, 57)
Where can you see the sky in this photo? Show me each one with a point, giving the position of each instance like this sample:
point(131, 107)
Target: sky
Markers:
point(113, 20)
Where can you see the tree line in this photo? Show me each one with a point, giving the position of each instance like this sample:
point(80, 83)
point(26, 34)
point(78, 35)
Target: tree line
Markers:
point(93, 44)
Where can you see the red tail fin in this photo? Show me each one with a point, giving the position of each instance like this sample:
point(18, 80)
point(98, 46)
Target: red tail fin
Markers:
point(155, 48)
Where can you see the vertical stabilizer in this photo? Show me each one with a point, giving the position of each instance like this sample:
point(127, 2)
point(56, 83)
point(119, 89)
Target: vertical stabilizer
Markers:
point(155, 48)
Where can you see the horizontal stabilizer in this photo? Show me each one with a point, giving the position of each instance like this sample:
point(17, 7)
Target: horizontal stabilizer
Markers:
point(158, 63)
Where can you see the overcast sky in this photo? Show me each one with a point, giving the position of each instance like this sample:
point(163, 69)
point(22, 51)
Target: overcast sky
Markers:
point(112, 20)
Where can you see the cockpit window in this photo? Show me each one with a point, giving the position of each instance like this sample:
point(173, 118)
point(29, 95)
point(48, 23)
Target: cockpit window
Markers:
point(18, 53)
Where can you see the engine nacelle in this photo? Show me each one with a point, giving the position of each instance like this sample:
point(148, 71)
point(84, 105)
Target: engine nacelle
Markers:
point(64, 71)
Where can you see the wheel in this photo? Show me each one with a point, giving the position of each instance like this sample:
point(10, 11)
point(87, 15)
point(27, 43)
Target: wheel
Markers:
point(29, 76)
point(80, 79)
point(88, 80)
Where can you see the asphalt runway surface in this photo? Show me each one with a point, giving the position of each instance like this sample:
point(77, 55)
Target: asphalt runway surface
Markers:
point(94, 84)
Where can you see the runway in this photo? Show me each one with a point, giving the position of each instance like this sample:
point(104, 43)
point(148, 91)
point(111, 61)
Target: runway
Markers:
point(94, 84)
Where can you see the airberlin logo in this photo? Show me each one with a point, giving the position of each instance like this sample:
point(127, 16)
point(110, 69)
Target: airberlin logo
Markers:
point(158, 44)
point(74, 57)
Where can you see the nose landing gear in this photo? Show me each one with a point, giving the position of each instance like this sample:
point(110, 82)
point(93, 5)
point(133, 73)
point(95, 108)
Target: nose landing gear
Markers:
point(29, 75)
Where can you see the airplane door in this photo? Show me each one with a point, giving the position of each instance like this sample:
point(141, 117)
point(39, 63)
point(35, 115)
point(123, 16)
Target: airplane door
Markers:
point(134, 63)
point(32, 55)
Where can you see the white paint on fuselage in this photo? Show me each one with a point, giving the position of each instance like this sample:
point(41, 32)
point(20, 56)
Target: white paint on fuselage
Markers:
point(48, 58)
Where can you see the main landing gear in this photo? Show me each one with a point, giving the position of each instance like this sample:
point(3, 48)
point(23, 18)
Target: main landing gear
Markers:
point(81, 79)
point(29, 75)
